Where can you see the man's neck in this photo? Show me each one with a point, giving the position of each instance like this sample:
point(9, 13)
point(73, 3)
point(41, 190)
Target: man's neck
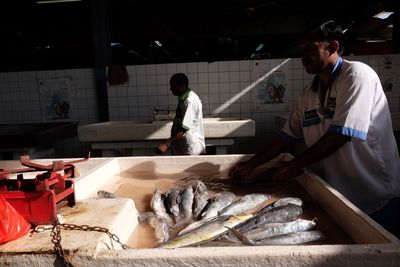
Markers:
point(325, 75)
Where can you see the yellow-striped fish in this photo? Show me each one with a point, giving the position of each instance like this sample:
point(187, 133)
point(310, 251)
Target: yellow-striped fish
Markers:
point(206, 232)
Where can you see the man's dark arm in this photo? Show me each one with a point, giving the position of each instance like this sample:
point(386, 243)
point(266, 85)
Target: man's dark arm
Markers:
point(325, 146)
point(270, 151)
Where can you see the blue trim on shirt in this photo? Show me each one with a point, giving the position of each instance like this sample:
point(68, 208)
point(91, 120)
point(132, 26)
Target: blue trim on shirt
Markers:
point(289, 138)
point(348, 132)
point(312, 122)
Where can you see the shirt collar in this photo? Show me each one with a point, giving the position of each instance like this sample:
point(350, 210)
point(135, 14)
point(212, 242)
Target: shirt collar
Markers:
point(184, 95)
point(334, 73)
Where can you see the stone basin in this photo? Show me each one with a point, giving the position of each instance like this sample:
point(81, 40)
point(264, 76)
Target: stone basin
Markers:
point(369, 245)
point(115, 131)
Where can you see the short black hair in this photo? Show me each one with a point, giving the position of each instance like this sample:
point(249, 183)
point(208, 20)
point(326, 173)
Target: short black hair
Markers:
point(180, 79)
point(326, 32)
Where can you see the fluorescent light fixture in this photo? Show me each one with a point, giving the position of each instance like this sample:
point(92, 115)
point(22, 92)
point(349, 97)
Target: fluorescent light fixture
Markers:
point(259, 47)
point(158, 43)
point(55, 1)
point(115, 44)
point(383, 14)
point(43, 47)
point(375, 41)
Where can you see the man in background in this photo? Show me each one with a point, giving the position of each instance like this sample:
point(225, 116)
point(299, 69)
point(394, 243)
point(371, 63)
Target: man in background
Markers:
point(187, 134)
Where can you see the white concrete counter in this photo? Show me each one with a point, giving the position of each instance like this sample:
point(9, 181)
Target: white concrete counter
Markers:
point(371, 245)
point(142, 137)
point(114, 131)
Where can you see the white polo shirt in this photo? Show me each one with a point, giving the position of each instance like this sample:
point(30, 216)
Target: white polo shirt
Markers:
point(367, 169)
point(189, 116)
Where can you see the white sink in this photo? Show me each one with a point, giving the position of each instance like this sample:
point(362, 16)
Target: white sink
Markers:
point(158, 130)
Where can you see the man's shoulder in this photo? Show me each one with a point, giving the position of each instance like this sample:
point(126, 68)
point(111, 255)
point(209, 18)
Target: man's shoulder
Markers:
point(356, 66)
point(193, 97)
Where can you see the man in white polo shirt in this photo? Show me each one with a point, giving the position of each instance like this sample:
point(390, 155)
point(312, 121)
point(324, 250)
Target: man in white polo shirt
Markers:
point(187, 134)
point(345, 122)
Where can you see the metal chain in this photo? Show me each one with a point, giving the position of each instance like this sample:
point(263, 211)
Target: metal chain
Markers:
point(84, 227)
point(56, 236)
point(56, 240)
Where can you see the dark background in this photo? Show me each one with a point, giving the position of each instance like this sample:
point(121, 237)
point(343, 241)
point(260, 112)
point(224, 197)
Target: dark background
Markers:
point(102, 32)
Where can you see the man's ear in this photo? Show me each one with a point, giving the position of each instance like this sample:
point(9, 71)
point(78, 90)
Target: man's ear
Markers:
point(333, 47)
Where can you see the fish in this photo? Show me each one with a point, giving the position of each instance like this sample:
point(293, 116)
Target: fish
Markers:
point(220, 201)
point(275, 229)
point(245, 203)
point(173, 200)
point(207, 232)
point(280, 214)
point(201, 198)
point(145, 216)
point(157, 204)
point(193, 226)
point(161, 229)
point(289, 239)
point(105, 194)
point(286, 200)
point(186, 197)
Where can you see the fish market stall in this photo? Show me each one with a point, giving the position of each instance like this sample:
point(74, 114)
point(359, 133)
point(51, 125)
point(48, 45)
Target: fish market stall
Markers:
point(351, 238)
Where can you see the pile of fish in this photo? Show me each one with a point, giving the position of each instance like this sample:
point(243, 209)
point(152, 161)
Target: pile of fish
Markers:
point(226, 218)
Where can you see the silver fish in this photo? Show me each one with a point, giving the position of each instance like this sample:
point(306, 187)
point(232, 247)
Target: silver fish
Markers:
point(206, 232)
point(173, 200)
point(201, 198)
point(220, 201)
point(161, 229)
point(289, 239)
point(286, 200)
point(157, 204)
point(105, 194)
point(215, 204)
point(275, 229)
point(280, 214)
point(145, 216)
point(185, 206)
point(244, 204)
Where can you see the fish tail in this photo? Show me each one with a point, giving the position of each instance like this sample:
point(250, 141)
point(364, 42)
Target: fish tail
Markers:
point(240, 236)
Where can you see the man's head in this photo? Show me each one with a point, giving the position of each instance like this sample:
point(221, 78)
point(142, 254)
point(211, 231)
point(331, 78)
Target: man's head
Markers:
point(179, 83)
point(321, 47)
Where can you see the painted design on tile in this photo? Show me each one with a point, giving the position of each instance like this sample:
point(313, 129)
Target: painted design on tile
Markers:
point(55, 96)
point(387, 74)
point(272, 90)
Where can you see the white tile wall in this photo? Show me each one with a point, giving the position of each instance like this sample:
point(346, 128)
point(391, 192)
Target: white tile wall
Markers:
point(225, 84)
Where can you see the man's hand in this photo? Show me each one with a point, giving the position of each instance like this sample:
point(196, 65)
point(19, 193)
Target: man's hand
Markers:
point(287, 171)
point(162, 148)
point(241, 169)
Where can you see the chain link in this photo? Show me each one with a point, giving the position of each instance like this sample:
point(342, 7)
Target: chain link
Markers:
point(56, 240)
point(56, 236)
point(84, 227)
